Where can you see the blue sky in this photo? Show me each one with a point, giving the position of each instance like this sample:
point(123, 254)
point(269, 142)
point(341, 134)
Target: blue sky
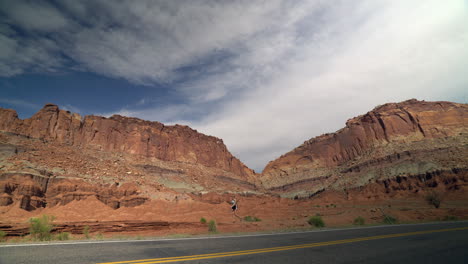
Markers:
point(82, 92)
point(262, 75)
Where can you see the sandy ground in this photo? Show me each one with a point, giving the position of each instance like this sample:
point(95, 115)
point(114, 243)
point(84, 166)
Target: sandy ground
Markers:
point(163, 218)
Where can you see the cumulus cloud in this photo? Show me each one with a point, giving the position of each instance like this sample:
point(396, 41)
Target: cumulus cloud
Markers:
point(144, 41)
point(359, 57)
point(264, 76)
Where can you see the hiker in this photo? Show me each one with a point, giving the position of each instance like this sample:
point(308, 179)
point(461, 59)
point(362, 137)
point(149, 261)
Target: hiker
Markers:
point(234, 205)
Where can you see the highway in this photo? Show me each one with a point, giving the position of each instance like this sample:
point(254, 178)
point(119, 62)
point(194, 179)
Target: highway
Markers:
point(415, 243)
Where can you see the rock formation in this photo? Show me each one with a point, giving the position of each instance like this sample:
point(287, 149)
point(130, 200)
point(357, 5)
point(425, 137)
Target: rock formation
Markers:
point(56, 157)
point(36, 191)
point(123, 174)
point(393, 140)
point(126, 135)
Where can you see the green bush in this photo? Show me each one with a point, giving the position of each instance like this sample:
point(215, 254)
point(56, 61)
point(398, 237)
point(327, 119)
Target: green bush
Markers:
point(433, 198)
point(41, 227)
point(252, 219)
point(99, 236)
point(203, 220)
point(359, 220)
point(316, 221)
point(450, 218)
point(86, 232)
point(63, 236)
point(389, 220)
point(212, 226)
point(2, 236)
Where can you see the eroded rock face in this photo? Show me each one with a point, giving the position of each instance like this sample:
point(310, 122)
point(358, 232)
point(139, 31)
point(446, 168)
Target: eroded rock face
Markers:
point(397, 139)
point(125, 135)
point(61, 157)
point(36, 191)
point(56, 157)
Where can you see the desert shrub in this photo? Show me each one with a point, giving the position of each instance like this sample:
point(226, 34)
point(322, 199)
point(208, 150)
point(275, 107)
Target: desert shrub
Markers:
point(389, 220)
point(63, 236)
point(212, 226)
point(450, 218)
point(359, 220)
point(2, 236)
point(86, 231)
point(316, 221)
point(433, 198)
point(41, 227)
point(252, 219)
point(203, 220)
point(99, 236)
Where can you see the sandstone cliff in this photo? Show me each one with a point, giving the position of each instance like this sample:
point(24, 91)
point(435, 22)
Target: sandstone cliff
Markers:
point(125, 135)
point(396, 139)
point(56, 157)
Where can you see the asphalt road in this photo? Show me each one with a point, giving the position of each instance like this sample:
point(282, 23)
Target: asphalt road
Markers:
point(421, 243)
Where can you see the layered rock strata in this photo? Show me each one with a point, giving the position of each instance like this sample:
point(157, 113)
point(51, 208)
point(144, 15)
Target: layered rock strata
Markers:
point(32, 191)
point(56, 157)
point(126, 135)
point(393, 140)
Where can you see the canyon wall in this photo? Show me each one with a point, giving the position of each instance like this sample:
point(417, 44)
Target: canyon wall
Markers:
point(56, 157)
point(396, 139)
point(125, 135)
point(32, 191)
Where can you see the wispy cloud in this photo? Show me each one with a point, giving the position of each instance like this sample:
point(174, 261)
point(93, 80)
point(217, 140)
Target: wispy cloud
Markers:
point(71, 108)
point(264, 76)
point(18, 103)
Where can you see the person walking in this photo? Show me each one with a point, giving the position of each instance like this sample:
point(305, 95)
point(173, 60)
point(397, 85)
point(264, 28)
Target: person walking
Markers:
point(234, 207)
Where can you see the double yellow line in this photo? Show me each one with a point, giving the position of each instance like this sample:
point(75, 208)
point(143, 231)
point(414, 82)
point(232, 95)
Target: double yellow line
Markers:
point(273, 249)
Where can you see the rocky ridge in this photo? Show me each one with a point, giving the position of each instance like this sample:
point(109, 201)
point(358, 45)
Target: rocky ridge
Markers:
point(56, 157)
point(127, 175)
point(394, 140)
point(125, 135)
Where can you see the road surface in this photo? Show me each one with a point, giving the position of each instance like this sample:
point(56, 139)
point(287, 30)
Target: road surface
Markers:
point(418, 243)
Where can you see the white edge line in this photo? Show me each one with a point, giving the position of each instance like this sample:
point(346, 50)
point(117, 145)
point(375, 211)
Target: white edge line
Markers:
point(218, 237)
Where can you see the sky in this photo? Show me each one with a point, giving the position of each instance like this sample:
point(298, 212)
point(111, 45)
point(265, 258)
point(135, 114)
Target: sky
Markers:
point(262, 75)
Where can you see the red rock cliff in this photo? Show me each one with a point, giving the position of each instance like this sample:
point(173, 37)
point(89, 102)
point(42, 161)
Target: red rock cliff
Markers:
point(124, 134)
point(388, 129)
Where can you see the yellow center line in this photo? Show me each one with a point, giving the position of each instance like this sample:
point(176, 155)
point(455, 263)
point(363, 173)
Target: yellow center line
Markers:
point(273, 249)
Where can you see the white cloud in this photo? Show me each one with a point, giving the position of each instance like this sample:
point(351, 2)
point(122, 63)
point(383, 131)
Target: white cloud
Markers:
point(264, 76)
point(357, 58)
point(395, 53)
point(155, 39)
